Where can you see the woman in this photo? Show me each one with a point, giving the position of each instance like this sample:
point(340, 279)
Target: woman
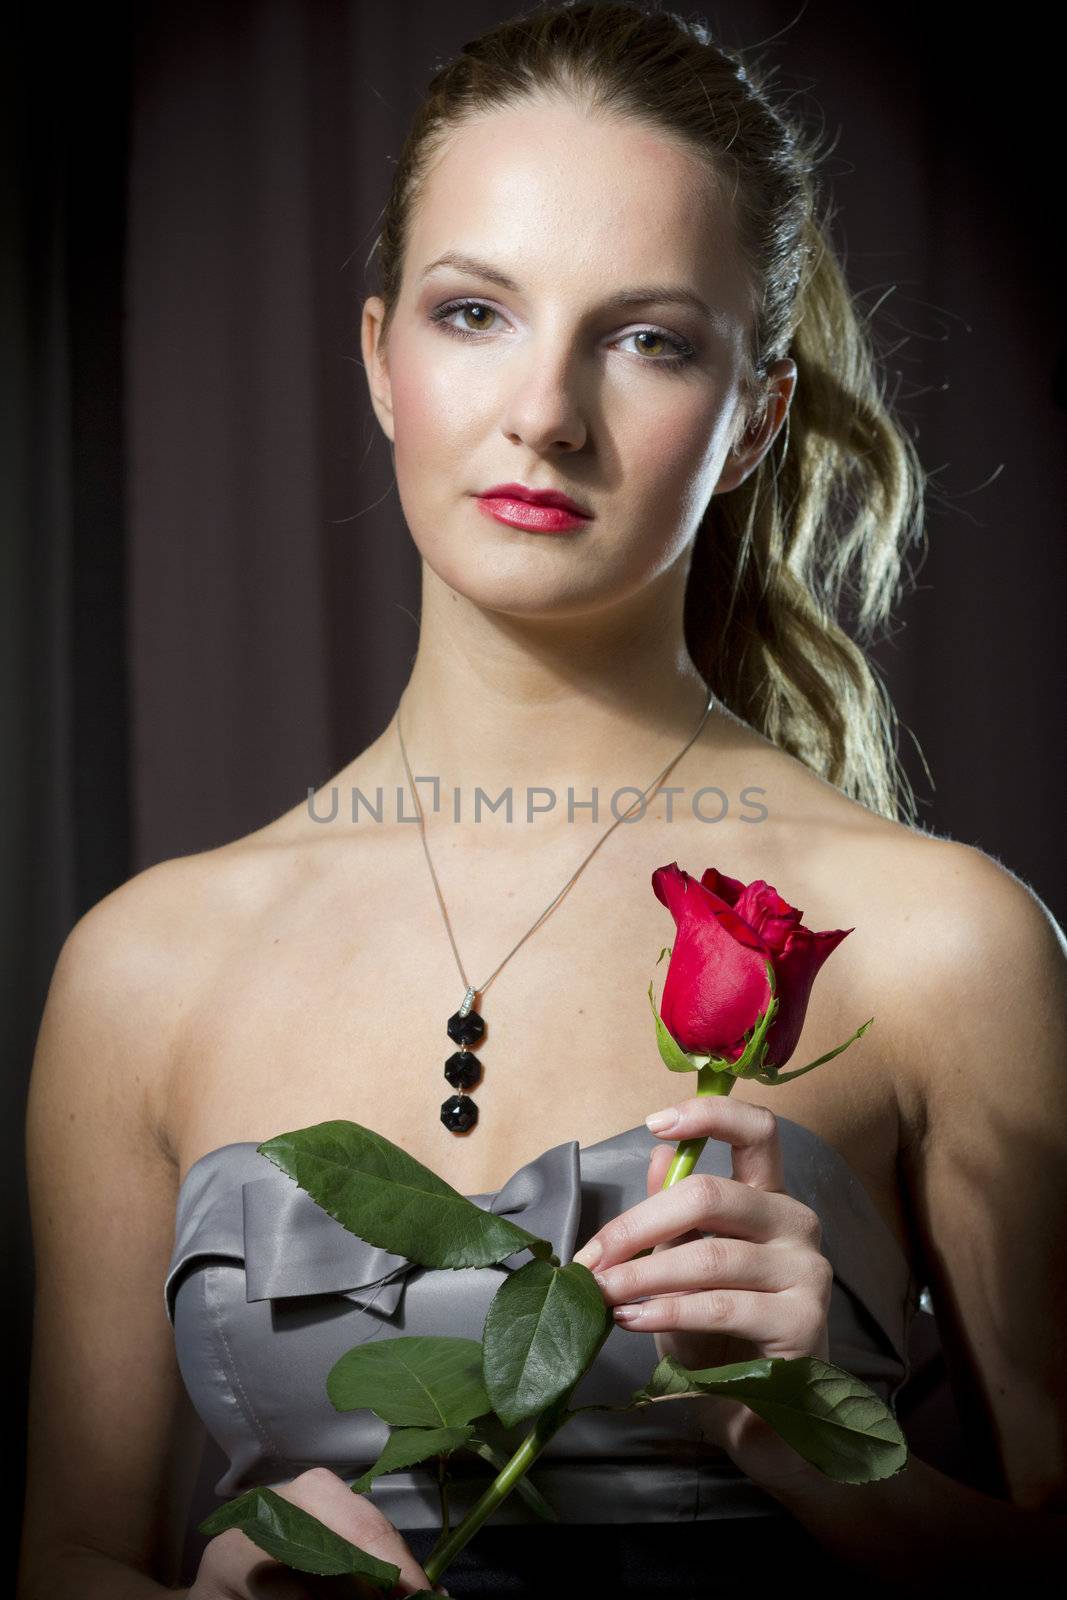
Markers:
point(603, 274)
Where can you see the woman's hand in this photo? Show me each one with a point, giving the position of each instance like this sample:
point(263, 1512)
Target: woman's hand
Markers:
point(736, 1269)
point(233, 1567)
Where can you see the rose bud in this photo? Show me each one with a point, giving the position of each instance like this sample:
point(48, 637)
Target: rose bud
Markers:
point(740, 974)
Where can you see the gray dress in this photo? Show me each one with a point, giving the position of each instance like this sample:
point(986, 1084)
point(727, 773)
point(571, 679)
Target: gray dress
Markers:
point(266, 1291)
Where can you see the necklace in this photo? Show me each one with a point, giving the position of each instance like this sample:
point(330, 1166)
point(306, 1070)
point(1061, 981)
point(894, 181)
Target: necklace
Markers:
point(465, 1027)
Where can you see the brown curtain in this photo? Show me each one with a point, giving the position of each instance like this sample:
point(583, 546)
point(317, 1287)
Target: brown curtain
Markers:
point(273, 584)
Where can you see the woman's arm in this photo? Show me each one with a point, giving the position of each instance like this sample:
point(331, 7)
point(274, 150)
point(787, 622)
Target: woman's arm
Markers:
point(985, 1033)
point(113, 1439)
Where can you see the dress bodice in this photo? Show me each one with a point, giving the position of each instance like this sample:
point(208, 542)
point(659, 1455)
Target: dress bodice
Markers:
point(266, 1291)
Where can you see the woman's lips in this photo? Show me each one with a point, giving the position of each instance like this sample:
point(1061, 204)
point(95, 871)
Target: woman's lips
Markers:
point(525, 514)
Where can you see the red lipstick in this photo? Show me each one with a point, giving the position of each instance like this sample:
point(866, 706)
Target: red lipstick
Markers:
point(536, 510)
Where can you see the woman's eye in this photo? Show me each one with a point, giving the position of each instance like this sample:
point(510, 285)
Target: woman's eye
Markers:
point(681, 352)
point(465, 307)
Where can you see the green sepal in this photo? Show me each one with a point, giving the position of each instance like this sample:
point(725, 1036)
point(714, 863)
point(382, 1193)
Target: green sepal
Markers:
point(750, 1062)
point(671, 1052)
point(772, 1076)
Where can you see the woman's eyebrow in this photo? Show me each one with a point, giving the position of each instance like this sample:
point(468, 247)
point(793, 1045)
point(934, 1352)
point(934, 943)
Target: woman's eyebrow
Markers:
point(648, 294)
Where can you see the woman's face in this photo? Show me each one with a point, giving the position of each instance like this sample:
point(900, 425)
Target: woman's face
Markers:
point(630, 409)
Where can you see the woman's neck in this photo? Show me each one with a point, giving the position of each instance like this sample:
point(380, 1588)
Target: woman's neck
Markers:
point(497, 701)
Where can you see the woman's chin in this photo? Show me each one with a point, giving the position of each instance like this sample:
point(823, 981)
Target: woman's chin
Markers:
point(523, 602)
point(523, 583)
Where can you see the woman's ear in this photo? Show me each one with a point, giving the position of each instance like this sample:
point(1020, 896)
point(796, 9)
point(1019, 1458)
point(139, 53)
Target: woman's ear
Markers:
point(762, 429)
point(375, 364)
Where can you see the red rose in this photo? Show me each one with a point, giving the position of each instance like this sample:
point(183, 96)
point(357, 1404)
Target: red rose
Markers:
point(716, 988)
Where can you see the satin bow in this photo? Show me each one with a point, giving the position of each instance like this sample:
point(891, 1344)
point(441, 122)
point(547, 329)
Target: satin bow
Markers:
point(293, 1247)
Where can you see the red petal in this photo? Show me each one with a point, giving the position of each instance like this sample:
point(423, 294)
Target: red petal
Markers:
point(716, 985)
point(795, 970)
point(764, 909)
point(728, 889)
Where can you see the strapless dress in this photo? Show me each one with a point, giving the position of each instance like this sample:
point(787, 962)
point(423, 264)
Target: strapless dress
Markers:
point(265, 1291)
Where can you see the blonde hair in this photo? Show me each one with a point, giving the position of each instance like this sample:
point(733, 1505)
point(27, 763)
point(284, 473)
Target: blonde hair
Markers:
point(833, 504)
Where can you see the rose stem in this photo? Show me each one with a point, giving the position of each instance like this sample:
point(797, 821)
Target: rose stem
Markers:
point(548, 1423)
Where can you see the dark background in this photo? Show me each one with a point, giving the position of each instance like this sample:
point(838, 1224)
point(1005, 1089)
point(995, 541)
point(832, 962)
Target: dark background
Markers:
point(209, 591)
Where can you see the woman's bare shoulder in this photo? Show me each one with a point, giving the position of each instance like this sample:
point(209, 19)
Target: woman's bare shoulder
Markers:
point(937, 918)
point(928, 885)
point(950, 902)
point(175, 920)
point(216, 891)
point(138, 962)
point(951, 921)
point(173, 914)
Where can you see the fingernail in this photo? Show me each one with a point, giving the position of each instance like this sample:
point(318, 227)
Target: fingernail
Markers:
point(660, 1121)
point(589, 1254)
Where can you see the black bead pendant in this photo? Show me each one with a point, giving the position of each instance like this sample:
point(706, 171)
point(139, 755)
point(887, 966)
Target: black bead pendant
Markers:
point(465, 1029)
point(459, 1113)
point(463, 1070)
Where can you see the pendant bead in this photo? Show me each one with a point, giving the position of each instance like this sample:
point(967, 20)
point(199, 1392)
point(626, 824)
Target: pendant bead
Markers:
point(465, 1029)
point(463, 1070)
point(458, 1113)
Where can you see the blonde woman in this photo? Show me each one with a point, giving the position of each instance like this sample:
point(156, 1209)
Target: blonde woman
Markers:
point(605, 278)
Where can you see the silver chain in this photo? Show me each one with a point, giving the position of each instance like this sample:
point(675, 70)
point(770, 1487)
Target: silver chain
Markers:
point(470, 988)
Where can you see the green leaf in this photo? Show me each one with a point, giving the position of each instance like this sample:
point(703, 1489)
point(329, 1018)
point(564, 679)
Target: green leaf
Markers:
point(421, 1381)
point(292, 1535)
point(670, 1050)
point(671, 1378)
point(383, 1195)
point(405, 1447)
point(827, 1415)
point(540, 1334)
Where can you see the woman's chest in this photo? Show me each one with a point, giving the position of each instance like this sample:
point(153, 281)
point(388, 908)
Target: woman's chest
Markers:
point(336, 1006)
